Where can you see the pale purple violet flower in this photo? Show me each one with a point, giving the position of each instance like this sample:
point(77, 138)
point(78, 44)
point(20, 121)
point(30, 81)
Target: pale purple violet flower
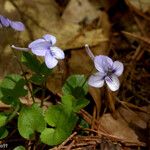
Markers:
point(45, 47)
point(108, 71)
point(5, 22)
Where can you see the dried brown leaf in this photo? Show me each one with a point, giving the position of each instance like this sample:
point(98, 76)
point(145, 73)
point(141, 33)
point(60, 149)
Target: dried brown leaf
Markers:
point(78, 11)
point(125, 127)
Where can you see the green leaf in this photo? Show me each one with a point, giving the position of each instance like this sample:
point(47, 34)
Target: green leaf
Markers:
point(3, 119)
point(3, 132)
point(70, 103)
point(62, 123)
point(76, 85)
point(30, 120)
point(37, 79)
point(44, 70)
point(11, 88)
point(53, 137)
point(56, 116)
point(80, 103)
point(71, 121)
point(31, 62)
point(19, 148)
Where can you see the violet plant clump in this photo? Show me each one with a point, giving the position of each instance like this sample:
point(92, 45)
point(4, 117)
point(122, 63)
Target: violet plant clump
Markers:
point(16, 25)
point(56, 123)
point(45, 47)
point(108, 71)
point(49, 123)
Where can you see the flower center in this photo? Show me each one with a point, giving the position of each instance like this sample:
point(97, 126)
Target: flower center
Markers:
point(110, 71)
point(51, 51)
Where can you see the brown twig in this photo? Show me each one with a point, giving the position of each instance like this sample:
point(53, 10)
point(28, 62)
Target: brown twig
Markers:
point(118, 139)
point(144, 39)
point(136, 10)
point(61, 146)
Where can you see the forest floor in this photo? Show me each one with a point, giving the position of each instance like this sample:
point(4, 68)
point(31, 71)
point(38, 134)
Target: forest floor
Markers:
point(119, 29)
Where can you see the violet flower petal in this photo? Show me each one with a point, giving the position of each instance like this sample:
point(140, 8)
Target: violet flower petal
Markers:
point(4, 21)
point(19, 26)
point(118, 68)
point(50, 61)
point(57, 52)
point(103, 63)
point(34, 43)
point(40, 50)
point(96, 80)
point(112, 82)
point(50, 38)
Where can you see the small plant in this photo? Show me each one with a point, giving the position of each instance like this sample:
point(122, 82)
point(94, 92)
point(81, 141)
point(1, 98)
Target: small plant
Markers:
point(56, 123)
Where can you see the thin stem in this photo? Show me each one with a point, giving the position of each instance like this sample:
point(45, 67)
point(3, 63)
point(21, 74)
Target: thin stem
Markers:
point(20, 48)
point(13, 114)
point(89, 52)
point(23, 72)
point(43, 93)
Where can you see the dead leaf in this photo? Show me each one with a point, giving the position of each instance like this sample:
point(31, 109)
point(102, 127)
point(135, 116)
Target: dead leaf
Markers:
point(56, 80)
point(122, 127)
point(132, 118)
point(80, 62)
point(96, 95)
point(92, 38)
point(143, 5)
point(78, 11)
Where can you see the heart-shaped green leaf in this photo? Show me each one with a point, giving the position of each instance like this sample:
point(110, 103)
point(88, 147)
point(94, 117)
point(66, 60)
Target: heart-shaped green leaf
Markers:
point(30, 120)
point(34, 64)
point(44, 70)
point(11, 88)
point(52, 136)
point(62, 123)
point(31, 62)
point(70, 103)
point(37, 79)
point(76, 85)
point(79, 104)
